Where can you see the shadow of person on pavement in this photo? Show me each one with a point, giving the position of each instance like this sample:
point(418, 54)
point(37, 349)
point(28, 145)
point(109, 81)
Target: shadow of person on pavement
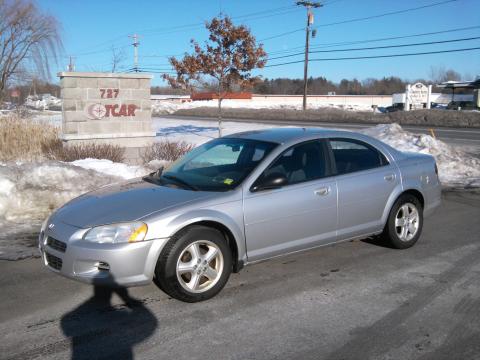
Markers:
point(99, 329)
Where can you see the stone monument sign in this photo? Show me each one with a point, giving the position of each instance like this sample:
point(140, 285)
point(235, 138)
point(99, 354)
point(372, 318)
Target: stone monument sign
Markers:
point(106, 108)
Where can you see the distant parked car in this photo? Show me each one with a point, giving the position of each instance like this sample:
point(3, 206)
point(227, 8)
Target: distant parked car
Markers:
point(393, 108)
point(461, 105)
point(237, 200)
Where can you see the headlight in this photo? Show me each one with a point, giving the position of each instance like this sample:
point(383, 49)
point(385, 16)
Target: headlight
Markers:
point(117, 233)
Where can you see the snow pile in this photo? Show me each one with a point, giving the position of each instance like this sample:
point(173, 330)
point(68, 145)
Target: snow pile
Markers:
point(456, 168)
point(30, 192)
point(33, 190)
point(108, 167)
point(169, 107)
point(43, 102)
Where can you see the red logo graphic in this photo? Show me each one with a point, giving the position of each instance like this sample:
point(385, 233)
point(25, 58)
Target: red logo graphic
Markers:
point(99, 111)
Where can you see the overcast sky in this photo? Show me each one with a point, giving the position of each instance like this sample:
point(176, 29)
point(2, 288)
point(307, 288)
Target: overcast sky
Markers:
point(92, 27)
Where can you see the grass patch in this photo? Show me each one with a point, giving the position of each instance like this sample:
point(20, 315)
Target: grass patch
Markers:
point(23, 139)
point(56, 150)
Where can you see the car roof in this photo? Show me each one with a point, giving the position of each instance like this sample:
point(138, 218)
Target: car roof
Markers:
point(287, 134)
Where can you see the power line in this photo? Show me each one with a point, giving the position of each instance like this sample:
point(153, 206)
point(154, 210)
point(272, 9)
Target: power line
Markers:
point(282, 34)
point(327, 45)
point(377, 56)
point(363, 18)
point(250, 16)
point(388, 13)
point(272, 12)
point(380, 47)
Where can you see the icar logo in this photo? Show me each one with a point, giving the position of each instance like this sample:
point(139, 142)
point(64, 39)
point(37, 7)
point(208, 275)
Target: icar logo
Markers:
point(99, 111)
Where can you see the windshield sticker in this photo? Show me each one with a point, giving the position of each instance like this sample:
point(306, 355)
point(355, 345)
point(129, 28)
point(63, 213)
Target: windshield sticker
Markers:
point(228, 181)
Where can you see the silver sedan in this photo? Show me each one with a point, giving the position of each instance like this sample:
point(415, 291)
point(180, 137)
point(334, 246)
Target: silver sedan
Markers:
point(237, 200)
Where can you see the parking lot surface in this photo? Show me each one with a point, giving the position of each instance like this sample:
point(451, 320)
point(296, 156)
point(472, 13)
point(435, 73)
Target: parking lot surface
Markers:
point(355, 300)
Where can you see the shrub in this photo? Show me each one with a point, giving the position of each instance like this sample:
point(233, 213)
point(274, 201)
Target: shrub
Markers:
point(22, 139)
point(165, 150)
point(55, 150)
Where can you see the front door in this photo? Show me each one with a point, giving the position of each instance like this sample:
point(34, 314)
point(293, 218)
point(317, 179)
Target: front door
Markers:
point(299, 215)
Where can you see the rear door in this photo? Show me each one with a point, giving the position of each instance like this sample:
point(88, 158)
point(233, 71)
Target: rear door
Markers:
point(365, 180)
point(299, 215)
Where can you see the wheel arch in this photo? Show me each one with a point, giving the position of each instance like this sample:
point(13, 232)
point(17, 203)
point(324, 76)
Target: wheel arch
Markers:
point(396, 195)
point(227, 227)
point(229, 237)
point(415, 193)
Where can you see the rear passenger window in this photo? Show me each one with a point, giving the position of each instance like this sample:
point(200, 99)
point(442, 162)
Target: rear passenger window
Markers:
point(354, 155)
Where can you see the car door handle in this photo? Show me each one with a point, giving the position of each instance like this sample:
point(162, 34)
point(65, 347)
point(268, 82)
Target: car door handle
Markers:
point(322, 191)
point(389, 177)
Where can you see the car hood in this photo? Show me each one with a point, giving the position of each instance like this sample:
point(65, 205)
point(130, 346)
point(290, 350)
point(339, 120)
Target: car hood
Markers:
point(123, 202)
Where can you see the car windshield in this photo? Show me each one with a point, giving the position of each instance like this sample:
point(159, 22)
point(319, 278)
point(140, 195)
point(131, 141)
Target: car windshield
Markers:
point(218, 165)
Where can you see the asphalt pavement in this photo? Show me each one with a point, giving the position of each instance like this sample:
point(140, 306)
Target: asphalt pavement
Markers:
point(467, 139)
point(355, 300)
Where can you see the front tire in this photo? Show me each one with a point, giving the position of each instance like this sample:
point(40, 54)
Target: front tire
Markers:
point(194, 265)
point(405, 222)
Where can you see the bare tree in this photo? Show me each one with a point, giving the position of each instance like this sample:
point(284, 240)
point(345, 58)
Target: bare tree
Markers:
point(29, 41)
point(228, 57)
point(118, 57)
point(440, 74)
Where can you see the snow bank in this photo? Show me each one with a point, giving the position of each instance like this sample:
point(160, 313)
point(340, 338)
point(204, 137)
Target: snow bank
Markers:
point(43, 102)
point(169, 107)
point(33, 190)
point(456, 168)
point(108, 167)
point(30, 192)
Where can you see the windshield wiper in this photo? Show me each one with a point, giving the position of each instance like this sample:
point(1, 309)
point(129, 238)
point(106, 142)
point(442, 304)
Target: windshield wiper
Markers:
point(180, 181)
point(154, 177)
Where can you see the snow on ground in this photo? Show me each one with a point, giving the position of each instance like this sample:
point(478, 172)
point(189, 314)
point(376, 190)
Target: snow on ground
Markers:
point(456, 168)
point(51, 117)
point(198, 131)
point(29, 192)
point(110, 168)
point(169, 107)
point(43, 102)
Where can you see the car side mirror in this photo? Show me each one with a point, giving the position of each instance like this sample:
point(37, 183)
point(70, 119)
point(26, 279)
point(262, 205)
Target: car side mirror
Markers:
point(272, 181)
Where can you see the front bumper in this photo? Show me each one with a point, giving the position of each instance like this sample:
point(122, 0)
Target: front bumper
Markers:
point(127, 264)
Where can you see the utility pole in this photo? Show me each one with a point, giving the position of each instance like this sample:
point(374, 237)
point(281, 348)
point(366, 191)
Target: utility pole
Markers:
point(308, 5)
point(71, 64)
point(135, 51)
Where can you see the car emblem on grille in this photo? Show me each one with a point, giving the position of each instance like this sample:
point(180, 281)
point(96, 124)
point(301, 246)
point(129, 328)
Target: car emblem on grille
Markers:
point(51, 226)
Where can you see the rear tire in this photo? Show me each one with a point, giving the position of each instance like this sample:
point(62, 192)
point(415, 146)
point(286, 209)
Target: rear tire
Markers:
point(194, 265)
point(405, 222)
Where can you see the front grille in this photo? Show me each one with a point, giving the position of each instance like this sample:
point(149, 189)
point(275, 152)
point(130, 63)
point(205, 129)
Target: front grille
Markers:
point(56, 244)
point(53, 261)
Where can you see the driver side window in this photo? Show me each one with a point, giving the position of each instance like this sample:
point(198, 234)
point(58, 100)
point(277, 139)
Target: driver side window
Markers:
point(300, 163)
